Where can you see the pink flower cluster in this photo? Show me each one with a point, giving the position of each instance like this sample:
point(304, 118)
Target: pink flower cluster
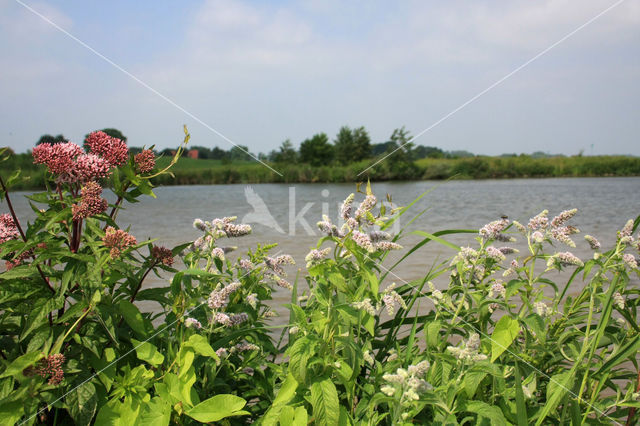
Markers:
point(91, 203)
point(69, 162)
point(117, 240)
point(51, 366)
point(145, 161)
point(8, 229)
point(162, 255)
point(112, 149)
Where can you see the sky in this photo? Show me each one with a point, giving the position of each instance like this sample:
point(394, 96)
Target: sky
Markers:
point(259, 72)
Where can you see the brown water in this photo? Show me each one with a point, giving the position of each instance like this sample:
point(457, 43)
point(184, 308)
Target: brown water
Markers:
point(604, 205)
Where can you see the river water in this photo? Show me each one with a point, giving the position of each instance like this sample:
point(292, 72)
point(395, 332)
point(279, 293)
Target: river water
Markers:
point(287, 214)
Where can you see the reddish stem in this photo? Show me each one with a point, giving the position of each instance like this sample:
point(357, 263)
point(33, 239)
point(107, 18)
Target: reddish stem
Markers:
point(24, 238)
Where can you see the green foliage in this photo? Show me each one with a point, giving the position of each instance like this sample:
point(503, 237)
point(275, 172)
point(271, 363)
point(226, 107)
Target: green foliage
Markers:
point(317, 150)
point(480, 339)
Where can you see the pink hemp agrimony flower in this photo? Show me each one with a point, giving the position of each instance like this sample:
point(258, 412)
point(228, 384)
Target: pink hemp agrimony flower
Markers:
point(563, 217)
point(347, 206)
point(59, 158)
point(495, 254)
point(626, 229)
point(316, 256)
point(117, 240)
point(593, 242)
point(113, 150)
point(145, 161)
point(162, 255)
point(91, 203)
point(363, 241)
point(51, 366)
point(220, 298)
point(8, 229)
point(541, 221)
point(387, 246)
point(630, 260)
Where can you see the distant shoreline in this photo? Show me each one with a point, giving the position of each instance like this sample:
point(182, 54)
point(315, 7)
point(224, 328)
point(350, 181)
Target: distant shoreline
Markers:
point(190, 171)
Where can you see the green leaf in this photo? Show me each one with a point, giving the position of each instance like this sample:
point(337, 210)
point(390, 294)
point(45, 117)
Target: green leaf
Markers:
point(217, 408)
point(156, 412)
point(201, 346)
point(521, 408)
point(324, 399)
point(287, 415)
point(300, 353)
point(148, 352)
point(285, 394)
point(133, 317)
point(10, 412)
point(301, 418)
point(437, 239)
point(503, 335)
point(491, 412)
point(83, 403)
point(20, 363)
point(558, 386)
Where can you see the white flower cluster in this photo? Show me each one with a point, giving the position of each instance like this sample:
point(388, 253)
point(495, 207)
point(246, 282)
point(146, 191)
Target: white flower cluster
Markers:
point(468, 351)
point(407, 385)
point(390, 300)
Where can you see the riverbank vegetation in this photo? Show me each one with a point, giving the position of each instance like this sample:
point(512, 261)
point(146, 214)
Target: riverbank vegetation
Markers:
point(350, 157)
point(489, 336)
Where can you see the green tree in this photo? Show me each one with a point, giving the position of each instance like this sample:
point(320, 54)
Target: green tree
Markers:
point(316, 151)
point(352, 145)
point(285, 154)
point(240, 153)
point(51, 139)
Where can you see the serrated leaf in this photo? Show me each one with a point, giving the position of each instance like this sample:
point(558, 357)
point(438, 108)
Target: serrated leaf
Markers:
point(19, 364)
point(324, 400)
point(83, 403)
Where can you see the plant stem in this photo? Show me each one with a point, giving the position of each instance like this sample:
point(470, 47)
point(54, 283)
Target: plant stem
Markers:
point(24, 238)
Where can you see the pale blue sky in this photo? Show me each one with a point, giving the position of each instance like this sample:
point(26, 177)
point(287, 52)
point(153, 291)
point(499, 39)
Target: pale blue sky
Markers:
point(261, 72)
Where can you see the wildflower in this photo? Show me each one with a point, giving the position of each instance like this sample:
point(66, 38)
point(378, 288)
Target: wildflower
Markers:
point(365, 207)
point(59, 158)
point(316, 256)
point(220, 298)
point(520, 227)
point(541, 221)
point(508, 250)
point(497, 289)
point(283, 283)
point(365, 306)
point(117, 241)
point(593, 242)
point(328, 228)
point(363, 241)
point(630, 260)
point(561, 234)
point(542, 309)
point(294, 330)
point(192, 323)
point(221, 318)
point(91, 203)
point(269, 314)
point(248, 370)
point(87, 167)
point(237, 319)
point(274, 264)
point(222, 353)
point(233, 230)
point(626, 229)
point(563, 259)
point(618, 300)
point(388, 390)
point(217, 253)
point(367, 357)
point(466, 255)
point(162, 255)
point(537, 237)
point(390, 298)
point(347, 205)
point(252, 300)
point(393, 355)
point(435, 293)
point(468, 351)
point(387, 246)
point(495, 254)
point(621, 322)
point(199, 224)
point(419, 369)
point(8, 228)
point(245, 346)
point(51, 366)
point(145, 161)
point(563, 217)
point(491, 230)
point(112, 149)
point(246, 265)
point(376, 236)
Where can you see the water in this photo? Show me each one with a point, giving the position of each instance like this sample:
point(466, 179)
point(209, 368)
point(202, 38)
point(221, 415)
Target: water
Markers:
point(604, 205)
